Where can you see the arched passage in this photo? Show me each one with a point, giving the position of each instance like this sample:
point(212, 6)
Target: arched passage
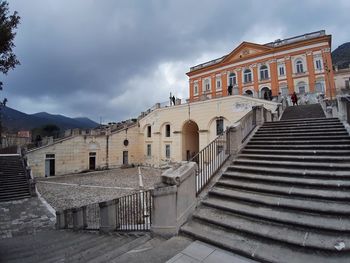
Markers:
point(190, 140)
point(264, 93)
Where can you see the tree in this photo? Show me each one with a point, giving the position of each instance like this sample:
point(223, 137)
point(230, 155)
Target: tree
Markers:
point(8, 60)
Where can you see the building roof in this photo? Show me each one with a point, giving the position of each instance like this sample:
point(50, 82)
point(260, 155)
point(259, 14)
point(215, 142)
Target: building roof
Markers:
point(237, 54)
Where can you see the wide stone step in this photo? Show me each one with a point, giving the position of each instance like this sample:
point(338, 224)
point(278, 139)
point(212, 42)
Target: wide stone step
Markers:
point(256, 248)
point(314, 147)
point(278, 125)
point(301, 127)
point(317, 138)
point(296, 157)
point(302, 181)
point(53, 250)
point(295, 135)
point(312, 152)
point(291, 172)
point(305, 120)
point(294, 164)
point(291, 190)
point(285, 233)
point(331, 141)
point(314, 221)
point(303, 131)
point(14, 197)
point(283, 201)
point(118, 251)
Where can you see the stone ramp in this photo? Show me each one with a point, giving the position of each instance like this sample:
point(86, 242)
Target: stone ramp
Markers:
point(23, 217)
point(303, 112)
point(70, 246)
point(285, 198)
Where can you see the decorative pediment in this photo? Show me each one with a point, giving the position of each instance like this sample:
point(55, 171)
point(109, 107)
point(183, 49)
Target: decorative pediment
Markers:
point(245, 49)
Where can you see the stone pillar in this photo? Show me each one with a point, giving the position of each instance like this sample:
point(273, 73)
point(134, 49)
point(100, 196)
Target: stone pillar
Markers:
point(235, 137)
point(259, 113)
point(78, 218)
point(60, 220)
point(174, 200)
point(84, 216)
point(108, 216)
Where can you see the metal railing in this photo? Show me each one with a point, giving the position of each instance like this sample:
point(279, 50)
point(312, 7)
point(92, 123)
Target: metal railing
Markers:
point(210, 159)
point(133, 212)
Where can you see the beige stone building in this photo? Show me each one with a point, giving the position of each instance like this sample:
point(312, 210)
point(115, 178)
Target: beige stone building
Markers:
point(82, 152)
point(179, 132)
point(342, 80)
point(163, 135)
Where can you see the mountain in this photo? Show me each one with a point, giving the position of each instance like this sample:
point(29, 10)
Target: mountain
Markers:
point(341, 56)
point(15, 120)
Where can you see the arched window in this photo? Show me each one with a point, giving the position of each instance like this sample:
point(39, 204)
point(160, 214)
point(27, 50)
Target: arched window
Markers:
point(232, 79)
point(264, 72)
point(319, 86)
point(301, 87)
point(247, 76)
point(299, 66)
point(249, 93)
point(167, 130)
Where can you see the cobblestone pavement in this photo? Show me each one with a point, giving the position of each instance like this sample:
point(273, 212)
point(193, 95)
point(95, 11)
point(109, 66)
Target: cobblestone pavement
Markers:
point(75, 190)
point(23, 217)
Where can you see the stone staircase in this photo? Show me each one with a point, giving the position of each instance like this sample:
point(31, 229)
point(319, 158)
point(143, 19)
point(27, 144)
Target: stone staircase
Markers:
point(69, 246)
point(285, 198)
point(13, 181)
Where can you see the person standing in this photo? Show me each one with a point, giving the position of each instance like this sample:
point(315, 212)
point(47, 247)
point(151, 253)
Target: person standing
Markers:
point(229, 90)
point(294, 99)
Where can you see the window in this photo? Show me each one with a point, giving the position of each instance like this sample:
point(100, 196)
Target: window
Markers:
point(149, 131)
point(50, 156)
point(318, 64)
point(207, 85)
point(301, 89)
point(284, 91)
point(195, 89)
point(149, 150)
point(218, 83)
point(232, 79)
point(319, 87)
point(299, 66)
point(219, 126)
point(264, 72)
point(347, 84)
point(281, 70)
point(249, 93)
point(167, 151)
point(247, 76)
point(167, 130)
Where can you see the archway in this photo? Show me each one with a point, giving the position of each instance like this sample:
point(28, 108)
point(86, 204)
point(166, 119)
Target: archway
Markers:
point(249, 93)
point(190, 140)
point(263, 91)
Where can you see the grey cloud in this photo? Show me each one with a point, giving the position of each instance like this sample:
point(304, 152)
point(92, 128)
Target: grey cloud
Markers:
point(98, 58)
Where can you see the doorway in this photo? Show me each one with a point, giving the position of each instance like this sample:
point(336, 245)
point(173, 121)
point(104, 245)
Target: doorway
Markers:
point(49, 165)
point(190, 140)
point(92, 161)
point(125, 158)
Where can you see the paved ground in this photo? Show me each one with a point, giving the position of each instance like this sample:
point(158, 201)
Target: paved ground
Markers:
point(198, 252)
point(22, 217)
point(75, 190)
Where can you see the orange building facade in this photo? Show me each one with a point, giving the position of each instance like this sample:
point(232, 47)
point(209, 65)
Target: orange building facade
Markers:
point(300, 64)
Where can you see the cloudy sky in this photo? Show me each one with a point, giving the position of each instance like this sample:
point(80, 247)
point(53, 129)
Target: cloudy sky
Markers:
point(114, 59)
